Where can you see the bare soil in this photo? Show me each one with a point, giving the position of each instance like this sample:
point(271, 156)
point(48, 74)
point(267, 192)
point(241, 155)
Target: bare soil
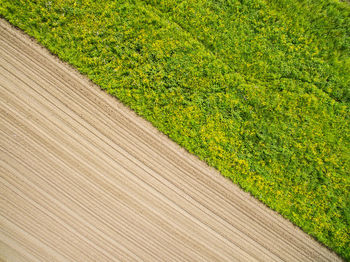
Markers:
point(84, 179)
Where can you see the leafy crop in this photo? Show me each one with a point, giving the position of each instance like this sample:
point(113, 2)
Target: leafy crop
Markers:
point(258, 89)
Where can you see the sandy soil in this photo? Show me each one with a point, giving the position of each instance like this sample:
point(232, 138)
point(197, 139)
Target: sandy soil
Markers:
point(84, 179)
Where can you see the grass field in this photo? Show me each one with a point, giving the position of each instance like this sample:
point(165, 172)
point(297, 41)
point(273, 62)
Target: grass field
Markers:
point(259, 90)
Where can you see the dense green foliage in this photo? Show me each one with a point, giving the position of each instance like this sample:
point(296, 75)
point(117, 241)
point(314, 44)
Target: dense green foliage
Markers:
point(258, 89)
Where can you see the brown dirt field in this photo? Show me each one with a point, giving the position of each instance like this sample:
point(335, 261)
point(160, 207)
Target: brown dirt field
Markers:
point(84, 179)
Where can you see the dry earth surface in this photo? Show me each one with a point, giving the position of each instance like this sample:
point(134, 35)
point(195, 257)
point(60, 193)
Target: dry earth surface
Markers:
point(84, 179)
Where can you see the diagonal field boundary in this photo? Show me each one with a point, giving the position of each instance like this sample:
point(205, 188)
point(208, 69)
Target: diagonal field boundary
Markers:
point(84, 179)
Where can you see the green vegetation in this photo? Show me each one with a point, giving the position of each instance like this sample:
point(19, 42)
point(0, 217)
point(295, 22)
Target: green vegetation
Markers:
point(258, 89)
